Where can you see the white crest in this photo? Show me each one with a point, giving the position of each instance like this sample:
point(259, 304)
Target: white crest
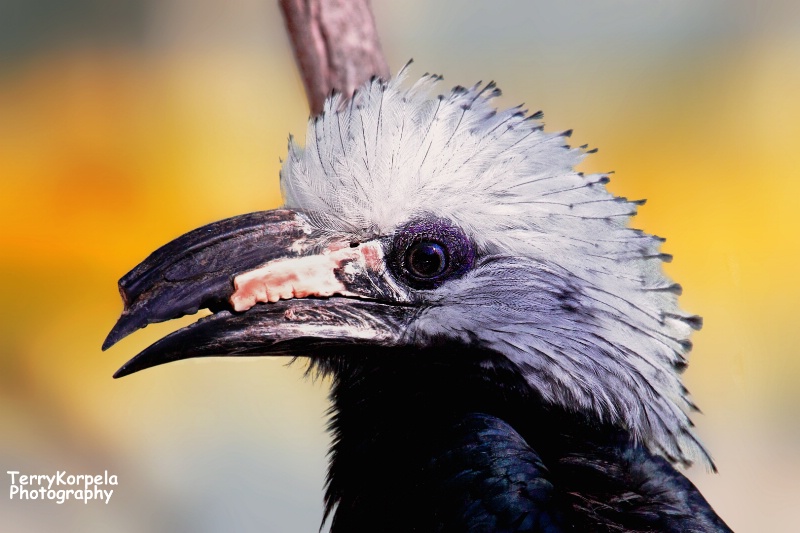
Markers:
point(572, 295)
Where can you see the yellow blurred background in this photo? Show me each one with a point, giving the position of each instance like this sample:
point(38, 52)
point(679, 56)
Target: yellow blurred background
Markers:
point(125, 123)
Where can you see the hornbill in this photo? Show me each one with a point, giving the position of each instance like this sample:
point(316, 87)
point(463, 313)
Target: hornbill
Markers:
point(504, 350)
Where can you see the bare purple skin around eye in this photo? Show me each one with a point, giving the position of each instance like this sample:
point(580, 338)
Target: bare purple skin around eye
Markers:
point(458, 247)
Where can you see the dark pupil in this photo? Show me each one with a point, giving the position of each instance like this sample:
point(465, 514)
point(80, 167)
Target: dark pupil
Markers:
point(426, 259)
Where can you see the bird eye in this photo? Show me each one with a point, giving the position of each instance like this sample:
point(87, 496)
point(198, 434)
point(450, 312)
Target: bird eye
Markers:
point(426, 253)
point(426, 259)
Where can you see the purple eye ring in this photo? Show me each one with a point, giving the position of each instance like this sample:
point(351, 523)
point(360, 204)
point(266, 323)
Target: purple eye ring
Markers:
point(429, 251)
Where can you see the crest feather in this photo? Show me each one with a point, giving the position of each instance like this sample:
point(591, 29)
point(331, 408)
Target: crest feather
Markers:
point(392, 154)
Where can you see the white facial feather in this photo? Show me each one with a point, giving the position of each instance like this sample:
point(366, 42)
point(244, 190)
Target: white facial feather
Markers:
point(566, 290)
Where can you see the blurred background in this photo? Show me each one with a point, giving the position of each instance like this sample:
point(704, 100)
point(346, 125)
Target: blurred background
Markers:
point(125, 123)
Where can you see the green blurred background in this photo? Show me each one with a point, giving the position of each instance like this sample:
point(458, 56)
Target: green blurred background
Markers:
point(126, 123)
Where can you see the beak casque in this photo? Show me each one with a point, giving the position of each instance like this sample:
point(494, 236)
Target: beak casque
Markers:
point(275, 286)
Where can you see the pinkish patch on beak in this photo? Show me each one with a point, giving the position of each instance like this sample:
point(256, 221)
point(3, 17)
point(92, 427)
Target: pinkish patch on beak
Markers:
point(301, 277)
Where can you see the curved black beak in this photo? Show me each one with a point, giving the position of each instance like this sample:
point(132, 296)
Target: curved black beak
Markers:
point(276, 287)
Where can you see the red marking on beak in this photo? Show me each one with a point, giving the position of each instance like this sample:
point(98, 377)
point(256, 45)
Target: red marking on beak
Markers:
point(301, 277)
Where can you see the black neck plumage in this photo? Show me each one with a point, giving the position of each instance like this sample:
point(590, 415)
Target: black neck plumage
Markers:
point(456, 440)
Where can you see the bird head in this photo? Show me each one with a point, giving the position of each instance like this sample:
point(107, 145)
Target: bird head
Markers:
point(413, 220)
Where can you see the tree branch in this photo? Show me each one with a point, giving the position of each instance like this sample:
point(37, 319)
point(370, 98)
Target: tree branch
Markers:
point(335, 44)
